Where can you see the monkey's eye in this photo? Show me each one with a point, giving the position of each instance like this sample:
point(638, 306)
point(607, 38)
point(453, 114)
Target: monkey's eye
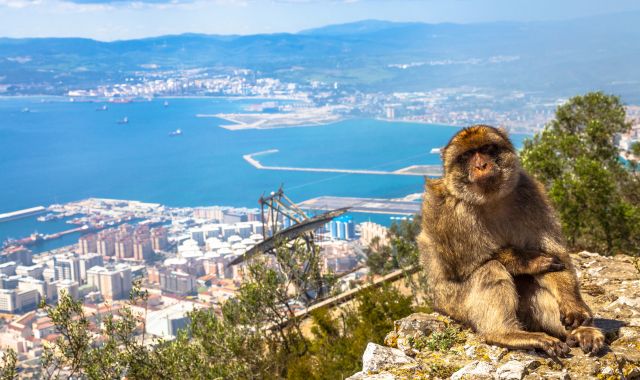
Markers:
point(490, 149)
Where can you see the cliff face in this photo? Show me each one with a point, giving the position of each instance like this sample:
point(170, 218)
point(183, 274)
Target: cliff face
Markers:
point(430, 346)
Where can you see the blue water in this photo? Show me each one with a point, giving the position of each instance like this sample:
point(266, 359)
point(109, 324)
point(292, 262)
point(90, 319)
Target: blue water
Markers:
point(62, 151)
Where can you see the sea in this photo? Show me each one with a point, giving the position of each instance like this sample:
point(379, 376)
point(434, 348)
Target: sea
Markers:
point(53, 150)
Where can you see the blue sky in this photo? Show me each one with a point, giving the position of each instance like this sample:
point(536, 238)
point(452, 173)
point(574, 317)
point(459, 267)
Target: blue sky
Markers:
point(122, 19)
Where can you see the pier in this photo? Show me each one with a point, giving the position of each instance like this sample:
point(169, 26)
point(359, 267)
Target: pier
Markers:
point(414, 170)
point(22, 213)
point(66, 232)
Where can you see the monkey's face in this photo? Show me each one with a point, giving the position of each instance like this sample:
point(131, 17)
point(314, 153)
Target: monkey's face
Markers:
point(480, 164)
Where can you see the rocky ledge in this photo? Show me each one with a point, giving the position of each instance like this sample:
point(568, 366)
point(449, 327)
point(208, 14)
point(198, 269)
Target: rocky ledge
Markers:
point(432, 346)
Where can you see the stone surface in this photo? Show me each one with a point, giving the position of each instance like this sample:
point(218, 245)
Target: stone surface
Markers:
point(475, 370)
point(609, 285)
point(377, 357)
point(515, 369)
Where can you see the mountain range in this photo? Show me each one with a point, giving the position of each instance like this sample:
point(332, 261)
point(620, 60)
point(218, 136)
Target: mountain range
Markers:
point(557, 58)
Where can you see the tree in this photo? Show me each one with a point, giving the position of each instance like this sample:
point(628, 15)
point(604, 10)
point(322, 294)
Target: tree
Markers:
point(402, 250)
point(577, 160)
point(340, 338)
point(8, 365)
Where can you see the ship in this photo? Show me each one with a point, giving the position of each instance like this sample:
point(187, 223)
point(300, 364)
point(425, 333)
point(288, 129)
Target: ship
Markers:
point(125, 120)
point(436, 150)
point(177, 132)
point(166, 104)
point(103, 108)
point(26, 110)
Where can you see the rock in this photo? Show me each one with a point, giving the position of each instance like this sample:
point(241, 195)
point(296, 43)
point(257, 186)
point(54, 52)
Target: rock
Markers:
point(375, 376)
point(428, 350)
point(475, 370)
point(515, 370)
point(377, 357)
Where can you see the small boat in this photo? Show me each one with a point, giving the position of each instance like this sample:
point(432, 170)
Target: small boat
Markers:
point(26, 110)
point(103, 108)
point(166, 104)
point(436, 150)
point(124, 120)
point(177, 132)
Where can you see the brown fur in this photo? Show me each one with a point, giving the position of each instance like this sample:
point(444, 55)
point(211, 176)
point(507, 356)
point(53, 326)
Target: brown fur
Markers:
point(493, 252)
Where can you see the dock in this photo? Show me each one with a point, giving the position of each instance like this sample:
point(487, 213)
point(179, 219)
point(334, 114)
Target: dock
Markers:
point(22, 213)
point(363, 205)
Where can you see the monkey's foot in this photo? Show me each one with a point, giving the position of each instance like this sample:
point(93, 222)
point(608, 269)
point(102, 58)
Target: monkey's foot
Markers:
point(523, 340)
point(573, 315)
point(590, 339)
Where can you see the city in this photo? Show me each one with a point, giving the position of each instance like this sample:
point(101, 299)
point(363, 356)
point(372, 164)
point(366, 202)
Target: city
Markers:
point(181, 256)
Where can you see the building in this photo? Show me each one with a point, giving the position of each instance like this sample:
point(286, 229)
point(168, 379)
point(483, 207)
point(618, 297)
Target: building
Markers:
point(34, 271)
point(105, 243)
point(124, 248)
point(67, 267)
point(87, 262)
point(159, 239)
point(178, 283)
point(8, 268)
point(369, 231)
point(167, 322)
point(29, 283)
point(142, 249)
point(88, 244)
point(342, 228)
point(16, 300)
point(113, 282)
point(69, 287)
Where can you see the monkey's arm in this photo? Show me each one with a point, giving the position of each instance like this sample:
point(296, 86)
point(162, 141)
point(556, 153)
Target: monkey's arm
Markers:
point(565, 287)
point(528, 262)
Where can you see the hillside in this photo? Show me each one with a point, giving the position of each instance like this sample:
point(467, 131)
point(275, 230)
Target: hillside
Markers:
point(558, 58)
point(418, 347)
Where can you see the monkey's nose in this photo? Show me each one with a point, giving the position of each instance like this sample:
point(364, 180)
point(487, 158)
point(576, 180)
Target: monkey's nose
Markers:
point(481, 165)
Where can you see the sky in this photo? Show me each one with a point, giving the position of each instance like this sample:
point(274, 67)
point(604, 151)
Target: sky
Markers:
point(109, 20)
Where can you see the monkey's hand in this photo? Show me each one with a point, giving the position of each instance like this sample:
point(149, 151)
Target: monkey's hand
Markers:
point(574, 314)
point(528, 262)
point(543, 264)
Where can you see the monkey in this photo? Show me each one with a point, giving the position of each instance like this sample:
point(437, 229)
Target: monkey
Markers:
point(493, 252)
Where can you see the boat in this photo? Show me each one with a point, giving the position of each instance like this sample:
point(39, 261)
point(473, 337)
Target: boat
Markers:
point(26, 110)
point(436, 150)
point(124, 120)
point(177, 132)
point(166, 104)
point(103, 108)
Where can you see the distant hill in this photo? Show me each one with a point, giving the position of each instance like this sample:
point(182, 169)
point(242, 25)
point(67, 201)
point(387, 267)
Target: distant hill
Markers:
point(559, 58)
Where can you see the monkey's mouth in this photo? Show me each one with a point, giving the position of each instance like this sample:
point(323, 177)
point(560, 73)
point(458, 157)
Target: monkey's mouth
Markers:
point(483, 178)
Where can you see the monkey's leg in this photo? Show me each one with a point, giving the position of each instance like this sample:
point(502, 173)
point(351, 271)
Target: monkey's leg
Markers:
point(564, 286)
point(538, 309)
point(492, 305)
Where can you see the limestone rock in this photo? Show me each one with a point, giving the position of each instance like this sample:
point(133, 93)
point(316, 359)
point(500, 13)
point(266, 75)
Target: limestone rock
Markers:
point(377, 357)
point(475, 370)
point(515, 370)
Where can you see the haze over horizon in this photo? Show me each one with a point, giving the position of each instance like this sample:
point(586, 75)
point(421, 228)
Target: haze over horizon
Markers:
point(109, 20)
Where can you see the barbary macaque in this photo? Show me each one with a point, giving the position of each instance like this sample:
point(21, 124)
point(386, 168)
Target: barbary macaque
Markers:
point(493, 251)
